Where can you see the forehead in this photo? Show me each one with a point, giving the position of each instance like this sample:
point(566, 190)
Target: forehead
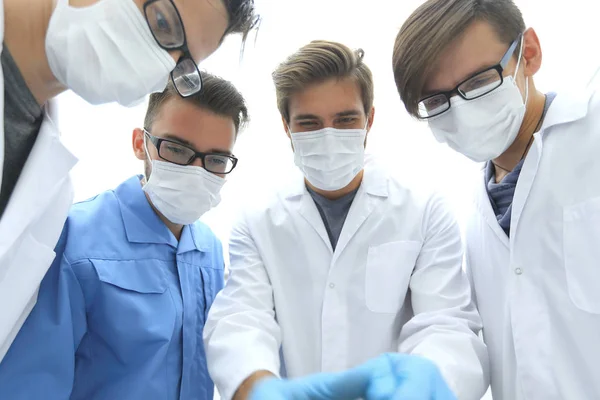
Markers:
point(197, 125)
point(479, 47)
point(327, 98)
point(205, 22)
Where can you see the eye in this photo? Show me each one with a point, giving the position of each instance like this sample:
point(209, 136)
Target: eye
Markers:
point(347, 120)
point(307, 123)
point(217, 161)
point(477, 83)
point(434, 102)
point(175, 149)
point(162, 23)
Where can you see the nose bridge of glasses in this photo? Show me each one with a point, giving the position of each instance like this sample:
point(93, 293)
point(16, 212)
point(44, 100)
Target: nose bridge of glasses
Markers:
point(198, 160)
point(447, 96)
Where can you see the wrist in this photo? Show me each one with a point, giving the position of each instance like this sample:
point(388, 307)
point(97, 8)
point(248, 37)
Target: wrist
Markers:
point(243, 392)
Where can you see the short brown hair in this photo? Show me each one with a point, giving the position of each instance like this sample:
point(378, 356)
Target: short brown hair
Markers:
point(436, 24)
point(317, 62)
point(217, 95)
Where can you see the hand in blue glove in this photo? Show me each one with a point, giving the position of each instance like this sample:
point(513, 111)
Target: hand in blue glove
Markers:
point(388, 377)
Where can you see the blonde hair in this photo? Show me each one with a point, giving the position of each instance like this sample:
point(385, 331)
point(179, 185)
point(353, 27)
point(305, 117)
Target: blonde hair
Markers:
point(317, 62)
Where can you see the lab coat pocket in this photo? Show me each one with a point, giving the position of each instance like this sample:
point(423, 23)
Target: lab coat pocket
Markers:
point(389, 268)
point(581, 246)
point(132, 305)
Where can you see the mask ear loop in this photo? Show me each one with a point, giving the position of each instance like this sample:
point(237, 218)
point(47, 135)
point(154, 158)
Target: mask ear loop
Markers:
point(147, 153)
point(517, 70)
point(520, 56)
point(146, 147)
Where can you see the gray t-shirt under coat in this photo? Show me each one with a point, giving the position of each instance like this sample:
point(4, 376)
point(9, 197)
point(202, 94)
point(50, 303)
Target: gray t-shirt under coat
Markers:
point(333, 213)
point(23, 118)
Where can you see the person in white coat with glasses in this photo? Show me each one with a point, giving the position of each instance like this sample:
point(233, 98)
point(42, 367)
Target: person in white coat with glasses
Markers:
point(533, 241)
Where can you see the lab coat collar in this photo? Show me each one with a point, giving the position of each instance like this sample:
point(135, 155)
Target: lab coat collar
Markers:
point(376, 178)
point(568, 107)
point(485, 209)
point(34, 190)
point(141, 223)
point(374, 185)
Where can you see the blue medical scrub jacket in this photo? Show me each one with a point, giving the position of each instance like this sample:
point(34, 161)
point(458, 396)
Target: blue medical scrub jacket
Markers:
point(120, 313)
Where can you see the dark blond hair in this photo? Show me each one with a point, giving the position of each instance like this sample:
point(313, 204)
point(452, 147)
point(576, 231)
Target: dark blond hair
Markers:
point(317, 62)
point(434, 26)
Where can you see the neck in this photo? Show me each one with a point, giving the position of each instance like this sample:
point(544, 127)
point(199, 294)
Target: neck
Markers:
point(531, 122)
point(336, 194)
point(26, 23)
point(175, 229)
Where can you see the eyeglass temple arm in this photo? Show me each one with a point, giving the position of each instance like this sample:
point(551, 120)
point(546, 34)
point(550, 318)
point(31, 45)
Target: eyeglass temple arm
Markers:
point(509, 53)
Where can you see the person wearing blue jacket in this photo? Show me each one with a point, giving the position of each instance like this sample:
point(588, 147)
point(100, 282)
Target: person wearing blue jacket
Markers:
point(120, 313)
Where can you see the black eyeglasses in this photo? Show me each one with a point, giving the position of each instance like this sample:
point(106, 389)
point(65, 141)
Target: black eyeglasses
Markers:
point(179, 154)
point(472, 88)
point(167, 28)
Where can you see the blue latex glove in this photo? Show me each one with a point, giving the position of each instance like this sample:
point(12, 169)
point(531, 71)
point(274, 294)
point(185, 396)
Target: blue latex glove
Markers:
point(388, 377)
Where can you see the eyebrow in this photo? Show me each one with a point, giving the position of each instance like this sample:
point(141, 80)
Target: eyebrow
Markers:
point(305, 117)
point(188, 144)
point(179, 140)
point(346, 113)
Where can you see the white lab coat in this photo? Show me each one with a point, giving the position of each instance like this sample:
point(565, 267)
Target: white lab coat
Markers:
point(32, 221)
point(539, 292)
point(393, 283)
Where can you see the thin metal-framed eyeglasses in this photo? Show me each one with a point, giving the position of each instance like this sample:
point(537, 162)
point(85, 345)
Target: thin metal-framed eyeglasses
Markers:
point(166, 26)
point(177, 153)
point(474, 87)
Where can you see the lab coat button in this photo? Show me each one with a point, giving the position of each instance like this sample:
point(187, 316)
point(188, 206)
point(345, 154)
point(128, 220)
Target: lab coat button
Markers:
point(332, 285)
point(518, 271)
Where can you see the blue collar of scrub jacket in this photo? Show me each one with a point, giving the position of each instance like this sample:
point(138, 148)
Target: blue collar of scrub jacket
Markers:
point(143, 225)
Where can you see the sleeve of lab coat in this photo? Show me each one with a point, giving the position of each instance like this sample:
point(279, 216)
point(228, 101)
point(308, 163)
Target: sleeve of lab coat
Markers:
point(446, 323)
point(40, 364)
point(241, 335)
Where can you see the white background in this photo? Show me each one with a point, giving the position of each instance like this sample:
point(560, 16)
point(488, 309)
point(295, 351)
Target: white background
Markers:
point(101, 136)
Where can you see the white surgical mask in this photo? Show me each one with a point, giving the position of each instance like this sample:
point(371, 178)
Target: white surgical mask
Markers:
point(330, 158)
point(182, 193)
point(106, 52)
point(484, 128)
